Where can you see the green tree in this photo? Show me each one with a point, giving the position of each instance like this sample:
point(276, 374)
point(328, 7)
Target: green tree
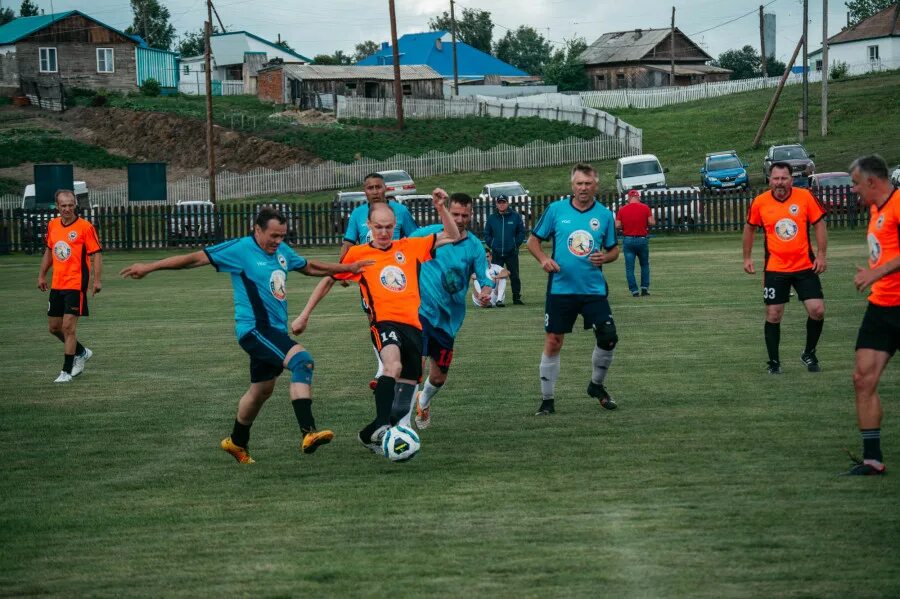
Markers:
point(6, 15)
point(863, 9)
point(28, 9)
point(338, 58)
point(525, 49)
point(564, 70)
point(475, 28)
point(365, 49)
point(151, 22)
point(774, 67)
point(193, 43)
point(743, 63)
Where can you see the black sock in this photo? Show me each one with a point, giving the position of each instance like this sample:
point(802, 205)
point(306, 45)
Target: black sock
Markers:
point(79, 349)
point(384, 399)
point(240, 434)
point(813, 332)
point(871, 443)
point(402, 401)
point(68, 360)
point(303, 412)
point(773, 339)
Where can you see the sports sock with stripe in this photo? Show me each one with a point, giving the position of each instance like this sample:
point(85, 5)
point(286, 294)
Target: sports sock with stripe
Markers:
point(549, 374)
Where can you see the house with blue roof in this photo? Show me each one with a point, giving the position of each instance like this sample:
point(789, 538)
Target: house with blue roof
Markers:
point(72, 49)
point(435, 49)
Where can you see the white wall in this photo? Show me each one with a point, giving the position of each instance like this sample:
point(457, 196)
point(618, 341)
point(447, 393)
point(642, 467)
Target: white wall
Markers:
point(229, 49)
point(857, 52)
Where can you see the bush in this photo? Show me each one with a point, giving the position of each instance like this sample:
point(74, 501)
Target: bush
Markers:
point(839, 70)
point(150, 87)
point(98, 100)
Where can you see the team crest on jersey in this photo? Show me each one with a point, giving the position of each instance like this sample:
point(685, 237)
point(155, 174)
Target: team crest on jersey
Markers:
point(400, 258)
point(880, 222)
point(277, 286)
point(595, 224)
point(786, 229)
point(580, 243)
point(73, 235)
point(794, 209)
point(282, 261)
point(62, 250)
point(392, 278)
point(874, 249)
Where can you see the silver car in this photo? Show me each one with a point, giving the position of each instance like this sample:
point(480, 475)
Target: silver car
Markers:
point(398, 183)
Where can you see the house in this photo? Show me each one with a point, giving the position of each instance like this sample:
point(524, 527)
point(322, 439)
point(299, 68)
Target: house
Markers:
point(642, 58)
point(314, 86)
point(435, 49)
point(873, 43)
point(72, 49)
point(236, 58)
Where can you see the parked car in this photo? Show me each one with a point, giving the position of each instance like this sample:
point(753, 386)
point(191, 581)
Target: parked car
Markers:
point(398, 183)
point(82, 197)
point(343, 204)
point(675, 206)
point(724, 170)
point(519, 199)
point(793, 154)
point(832, 190)
point(35, 217)
point(194, 220)
point(639, 172)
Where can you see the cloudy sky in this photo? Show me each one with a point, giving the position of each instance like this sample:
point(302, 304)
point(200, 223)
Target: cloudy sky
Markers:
point(317, 27)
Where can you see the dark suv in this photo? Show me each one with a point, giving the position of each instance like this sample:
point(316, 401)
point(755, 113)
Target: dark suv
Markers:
point(793, 154)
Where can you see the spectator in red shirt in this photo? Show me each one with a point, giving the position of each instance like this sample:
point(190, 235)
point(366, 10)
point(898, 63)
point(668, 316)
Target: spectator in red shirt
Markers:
point(632, 221)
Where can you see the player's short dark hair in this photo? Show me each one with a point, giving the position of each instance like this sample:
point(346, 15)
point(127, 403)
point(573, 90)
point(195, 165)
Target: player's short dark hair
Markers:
point(585, 169)
point(373, 176)
point(872, 165)
point(781, 165)
point(267, 213)
point(463, 199)
point(60, 192)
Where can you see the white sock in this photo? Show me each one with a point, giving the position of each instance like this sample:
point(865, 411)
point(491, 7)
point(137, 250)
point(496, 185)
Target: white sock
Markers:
point(549, 374)
point(407, 420)
point(600, 361)
point(428, 391)
point(380, 369)
point(500, 292)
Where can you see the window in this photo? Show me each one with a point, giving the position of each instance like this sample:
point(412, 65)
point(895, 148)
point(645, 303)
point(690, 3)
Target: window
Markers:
point(105, 60)
point(48, 60)
point(818, 65)
point(873, 53)
point(187, 70)
point(407, 89)
point(620, 80)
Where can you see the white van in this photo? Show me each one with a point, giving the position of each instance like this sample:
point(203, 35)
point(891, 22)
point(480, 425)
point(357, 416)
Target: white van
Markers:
point(639, 172)
point(29, 199)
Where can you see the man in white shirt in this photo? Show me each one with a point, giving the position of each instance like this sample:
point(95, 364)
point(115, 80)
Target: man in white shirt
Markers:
point(498, 275)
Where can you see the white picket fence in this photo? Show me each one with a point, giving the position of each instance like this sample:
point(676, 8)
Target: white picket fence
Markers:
point(198, 87)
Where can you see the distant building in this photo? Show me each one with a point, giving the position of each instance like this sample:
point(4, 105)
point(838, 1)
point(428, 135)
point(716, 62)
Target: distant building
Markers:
point(769, 33)
point(642, 58)
point(873, 42)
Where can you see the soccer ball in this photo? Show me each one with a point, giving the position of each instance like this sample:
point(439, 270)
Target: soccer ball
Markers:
point(400, 444)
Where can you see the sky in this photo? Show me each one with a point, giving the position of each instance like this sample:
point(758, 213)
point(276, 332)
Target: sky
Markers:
point(320, 27)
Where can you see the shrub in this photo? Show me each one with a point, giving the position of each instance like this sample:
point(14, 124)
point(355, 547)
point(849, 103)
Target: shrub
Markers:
point(150, 87)
point(839, 70)
point(98, 100)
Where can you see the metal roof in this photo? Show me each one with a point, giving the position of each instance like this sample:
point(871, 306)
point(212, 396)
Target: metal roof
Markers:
point(687, 69)
point(382, 73)
point(243, 46)
point(630, 46)
point(885, 23)
point(22, 27)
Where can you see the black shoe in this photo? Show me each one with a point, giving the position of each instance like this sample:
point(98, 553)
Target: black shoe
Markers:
point(860, 468)
point(774, 367)
point(546, 408)
point(518, 302)
point(600, 392)
point(635, 294)
point(499, 305)
point(811, 361)
point(645, 291)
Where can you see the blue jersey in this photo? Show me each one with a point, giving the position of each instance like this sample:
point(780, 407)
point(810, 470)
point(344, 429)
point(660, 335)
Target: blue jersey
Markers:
point(444, 281)
point(576, 234)
point(258, 279)
point(358, 229)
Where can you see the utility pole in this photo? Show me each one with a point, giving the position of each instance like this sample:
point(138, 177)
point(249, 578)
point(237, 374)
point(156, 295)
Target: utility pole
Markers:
point(771, 108)
point(672, 50)
point(219, 19)
point(398, 86)
point(453, 34)
point(762, 43)
point(804, 111)
point(824, 68)
point(210, 149)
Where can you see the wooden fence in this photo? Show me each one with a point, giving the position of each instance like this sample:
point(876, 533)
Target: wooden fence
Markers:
point(322, 224)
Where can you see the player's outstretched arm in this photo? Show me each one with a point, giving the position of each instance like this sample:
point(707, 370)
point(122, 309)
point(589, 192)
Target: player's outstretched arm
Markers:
point(299, 324)
point(866, 276)
point(314, 268)
point(451, 231)
point(546, 262)
point(140, 270)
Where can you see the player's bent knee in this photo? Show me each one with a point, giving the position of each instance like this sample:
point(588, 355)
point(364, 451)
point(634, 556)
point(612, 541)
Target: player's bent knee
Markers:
point(301, 366)
point(606, 335)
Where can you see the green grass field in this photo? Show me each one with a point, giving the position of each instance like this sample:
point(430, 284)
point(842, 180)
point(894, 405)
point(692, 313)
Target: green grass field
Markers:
point(713, 479)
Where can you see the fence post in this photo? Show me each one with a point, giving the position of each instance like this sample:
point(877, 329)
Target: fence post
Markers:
point(515, 111)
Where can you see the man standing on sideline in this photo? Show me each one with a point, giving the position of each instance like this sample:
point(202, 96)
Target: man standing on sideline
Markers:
point(584, 239)
point(632, 220)
point(258, 265)
point(504, 232)
point(879, 333)
point(70, 240)
point(785, 214)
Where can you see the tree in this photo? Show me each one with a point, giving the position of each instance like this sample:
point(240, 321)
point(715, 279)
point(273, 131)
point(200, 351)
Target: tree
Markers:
point(28, 9)
point(525, 49)
point(859, 10)
point(474, 28)
point(285, 45)
point(338, 58)
point(151, 22)
point(6, 15)
point(193, 43)
point(774, 67)
point(564, 70)
point(743, 63)
point(365, 49)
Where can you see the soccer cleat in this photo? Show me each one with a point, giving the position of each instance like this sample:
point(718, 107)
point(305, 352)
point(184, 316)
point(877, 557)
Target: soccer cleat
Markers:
point(64, 377)
point(600, 392)
point(635, 294)
point(80, 359)
point(546, 408)
point(373, 443)
point(811, 361)
point(774, 367)
point(239, 453)
point(518, 302)
point(861, 468)
point(423, 415)
point(313, 439)
point(499, 305)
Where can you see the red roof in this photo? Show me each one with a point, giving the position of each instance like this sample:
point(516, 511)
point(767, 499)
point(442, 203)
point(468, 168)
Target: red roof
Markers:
point(882, 24)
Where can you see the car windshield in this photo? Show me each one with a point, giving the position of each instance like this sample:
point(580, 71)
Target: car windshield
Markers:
point(720, 163)
point(353, 196)
point(793, 153)
point(640, 169)
point(835, 181)
point(508, 190)
point(396, 176)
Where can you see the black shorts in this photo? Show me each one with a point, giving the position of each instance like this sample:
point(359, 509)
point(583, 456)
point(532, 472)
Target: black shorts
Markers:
point(880, 329)
point(561, 311)
point(777, 286)
point(408, 338)
point(437, 344)
point(67, 301)
point(267, 349)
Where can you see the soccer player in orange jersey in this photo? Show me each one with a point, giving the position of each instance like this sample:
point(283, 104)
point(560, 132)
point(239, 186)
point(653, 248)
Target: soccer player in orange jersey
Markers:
point(879, 333)
point(390, 293)
point(785, 214)
point(70, 241)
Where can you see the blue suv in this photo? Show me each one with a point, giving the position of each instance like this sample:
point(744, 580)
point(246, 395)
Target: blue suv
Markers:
point(724, 170)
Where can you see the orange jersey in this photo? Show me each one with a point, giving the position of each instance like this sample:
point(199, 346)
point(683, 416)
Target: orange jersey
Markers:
point(390, 287)
point(71, 245)
point(786, 225)
point(884, 246)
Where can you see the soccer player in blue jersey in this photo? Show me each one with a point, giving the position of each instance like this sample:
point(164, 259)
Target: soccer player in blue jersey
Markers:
point(258, 265)
point(584, 239)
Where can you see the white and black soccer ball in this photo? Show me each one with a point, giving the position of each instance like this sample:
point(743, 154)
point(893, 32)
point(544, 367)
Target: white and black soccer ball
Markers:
point(400, 444)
